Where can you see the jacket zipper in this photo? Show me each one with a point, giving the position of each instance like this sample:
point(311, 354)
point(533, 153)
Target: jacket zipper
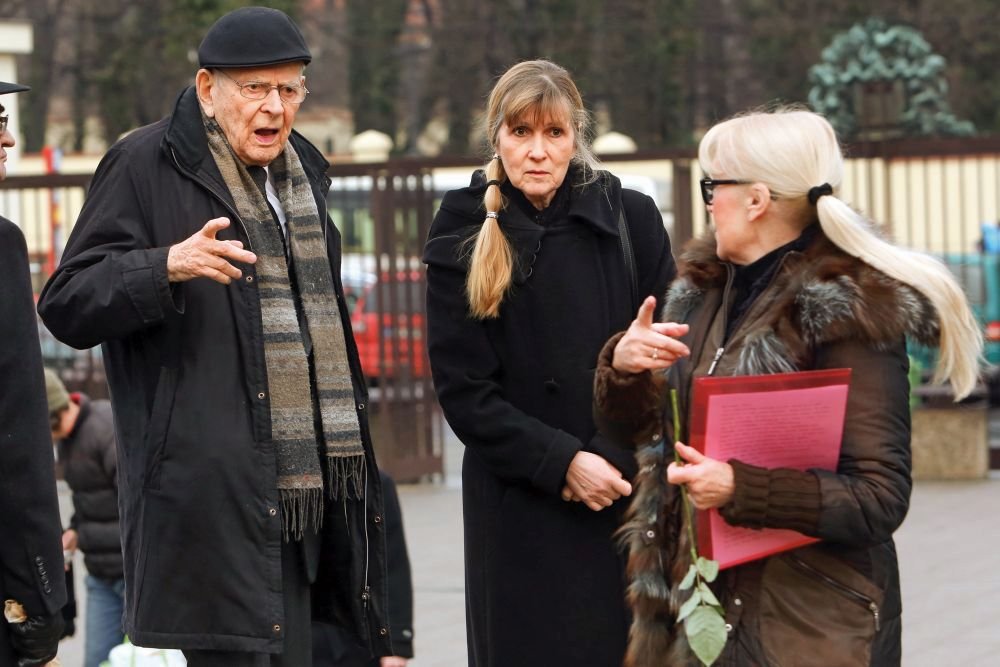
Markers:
point(725, 320)
point(725, 312)
point(861, 598)
point(215, 193)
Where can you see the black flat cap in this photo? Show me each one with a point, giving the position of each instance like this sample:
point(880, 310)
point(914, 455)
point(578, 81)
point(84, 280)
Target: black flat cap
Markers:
point(11, 88)
point(253, 37)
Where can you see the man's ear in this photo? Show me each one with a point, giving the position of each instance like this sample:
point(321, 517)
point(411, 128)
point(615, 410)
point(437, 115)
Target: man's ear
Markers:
point(204, 82)
point(759, 201)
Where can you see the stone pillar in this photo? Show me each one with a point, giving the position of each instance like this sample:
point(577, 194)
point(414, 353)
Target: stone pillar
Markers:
point(371, 146)
point(614, 143)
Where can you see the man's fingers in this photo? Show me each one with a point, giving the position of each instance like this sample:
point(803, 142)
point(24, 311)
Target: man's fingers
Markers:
point(213, 226)
point(237, 254)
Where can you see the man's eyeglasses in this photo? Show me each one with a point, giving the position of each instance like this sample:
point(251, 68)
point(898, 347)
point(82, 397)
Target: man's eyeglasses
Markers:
point(258, 90)
point(3, 123)
point(708, 187)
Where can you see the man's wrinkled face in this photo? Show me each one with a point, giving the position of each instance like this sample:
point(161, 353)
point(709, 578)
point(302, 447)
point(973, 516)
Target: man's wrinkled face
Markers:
point(256, 129)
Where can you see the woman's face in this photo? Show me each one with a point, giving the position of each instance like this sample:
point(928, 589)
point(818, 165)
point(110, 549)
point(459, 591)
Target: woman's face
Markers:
point(732, 227)
point(536, 152)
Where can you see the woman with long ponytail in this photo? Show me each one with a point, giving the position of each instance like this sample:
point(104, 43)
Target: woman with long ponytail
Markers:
point(526, 278)
point(791, 278)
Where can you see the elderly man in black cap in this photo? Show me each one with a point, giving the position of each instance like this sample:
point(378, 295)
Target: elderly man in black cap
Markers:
point(32, 585)
point(205, 263)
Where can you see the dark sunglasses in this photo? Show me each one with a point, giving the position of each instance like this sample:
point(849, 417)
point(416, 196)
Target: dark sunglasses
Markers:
point(708, 187)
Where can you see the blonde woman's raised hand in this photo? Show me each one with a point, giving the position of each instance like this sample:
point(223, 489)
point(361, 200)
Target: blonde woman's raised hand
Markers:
point(649, 345)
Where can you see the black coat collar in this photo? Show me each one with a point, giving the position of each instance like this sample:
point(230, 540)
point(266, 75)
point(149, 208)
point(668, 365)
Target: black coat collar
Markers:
point(597, 204)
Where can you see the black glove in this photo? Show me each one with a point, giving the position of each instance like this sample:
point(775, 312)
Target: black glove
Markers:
point(36, 640)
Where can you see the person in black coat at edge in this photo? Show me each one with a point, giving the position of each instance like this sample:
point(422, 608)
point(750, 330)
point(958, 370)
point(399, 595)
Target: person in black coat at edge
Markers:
point(32, 584)
point(206, 264)
point(333, 647)
point(529, 269)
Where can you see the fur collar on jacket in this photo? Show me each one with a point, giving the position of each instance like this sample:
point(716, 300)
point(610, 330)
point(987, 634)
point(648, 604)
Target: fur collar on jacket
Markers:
point(820, 296)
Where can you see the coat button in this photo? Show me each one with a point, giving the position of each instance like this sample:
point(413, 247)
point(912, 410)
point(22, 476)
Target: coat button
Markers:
point(361, 406)
point(261, 395)
point(276, 628)
point(656, 437)
point(249, 279)
point(47, 589)
point(729, 627)
point(272, 512)
point(378, 518)
point(382, 632)
point(38, 559)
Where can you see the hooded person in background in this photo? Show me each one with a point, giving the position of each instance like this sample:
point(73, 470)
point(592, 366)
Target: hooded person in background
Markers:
point(84, 433)
point(205, 262)
point(31, 577)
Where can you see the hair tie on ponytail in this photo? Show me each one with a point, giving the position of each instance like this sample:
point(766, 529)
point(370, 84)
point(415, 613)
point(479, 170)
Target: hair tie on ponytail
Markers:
point(493, 182)
point(496, 156)
point(816, 192)
point(492, 214)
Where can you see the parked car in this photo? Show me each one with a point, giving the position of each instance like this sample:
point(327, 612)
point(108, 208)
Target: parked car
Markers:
point(387, 315)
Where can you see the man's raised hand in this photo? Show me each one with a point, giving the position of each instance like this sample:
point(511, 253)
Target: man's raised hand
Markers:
point(203, 256)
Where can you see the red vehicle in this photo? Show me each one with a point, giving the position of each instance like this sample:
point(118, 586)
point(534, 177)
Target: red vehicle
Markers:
point(387, 315)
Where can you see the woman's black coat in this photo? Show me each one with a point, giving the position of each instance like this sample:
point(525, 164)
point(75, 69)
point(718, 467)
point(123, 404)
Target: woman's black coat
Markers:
point(543, 576)
point(31, 564)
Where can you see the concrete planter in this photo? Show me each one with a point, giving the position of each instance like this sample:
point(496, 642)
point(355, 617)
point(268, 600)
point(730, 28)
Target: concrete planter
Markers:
point(950, 441)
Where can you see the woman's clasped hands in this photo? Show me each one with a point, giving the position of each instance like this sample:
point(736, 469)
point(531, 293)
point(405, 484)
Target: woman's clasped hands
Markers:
point(649, 345)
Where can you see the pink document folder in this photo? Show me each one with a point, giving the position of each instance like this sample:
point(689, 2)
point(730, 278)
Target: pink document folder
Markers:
point(785, 420)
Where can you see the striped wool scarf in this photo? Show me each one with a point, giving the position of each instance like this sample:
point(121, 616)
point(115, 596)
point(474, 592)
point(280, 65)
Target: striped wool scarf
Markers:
point(295, 417)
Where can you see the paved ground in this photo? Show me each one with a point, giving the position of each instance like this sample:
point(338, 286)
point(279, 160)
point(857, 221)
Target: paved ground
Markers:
point(947, 547)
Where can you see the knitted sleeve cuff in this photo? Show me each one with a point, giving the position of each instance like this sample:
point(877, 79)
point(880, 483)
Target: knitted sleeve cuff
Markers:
point(773, 498)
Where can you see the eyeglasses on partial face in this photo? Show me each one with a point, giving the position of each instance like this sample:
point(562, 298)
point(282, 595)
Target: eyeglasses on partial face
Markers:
point(259, 90)
point(708, 187)
point(3, 122)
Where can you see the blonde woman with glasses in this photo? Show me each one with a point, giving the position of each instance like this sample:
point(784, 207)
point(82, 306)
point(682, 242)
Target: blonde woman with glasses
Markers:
point(791, 278)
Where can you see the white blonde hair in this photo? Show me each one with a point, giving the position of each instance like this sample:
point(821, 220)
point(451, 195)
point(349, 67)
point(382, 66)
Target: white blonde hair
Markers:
point(792, 150)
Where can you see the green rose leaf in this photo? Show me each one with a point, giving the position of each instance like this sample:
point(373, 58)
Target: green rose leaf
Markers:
point(689, 606)
point(688, 580)
point(706, 594)
point(706, 633)
point(709, 569)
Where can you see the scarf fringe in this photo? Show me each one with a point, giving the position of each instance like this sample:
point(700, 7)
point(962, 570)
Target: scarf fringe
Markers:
point(300, 508)
point(345, 477)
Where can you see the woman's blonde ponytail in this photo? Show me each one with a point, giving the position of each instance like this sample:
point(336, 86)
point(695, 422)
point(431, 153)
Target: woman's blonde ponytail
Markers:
point(492, 262)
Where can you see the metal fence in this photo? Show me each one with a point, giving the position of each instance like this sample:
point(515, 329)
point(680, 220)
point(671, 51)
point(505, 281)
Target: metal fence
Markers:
point(937, 195)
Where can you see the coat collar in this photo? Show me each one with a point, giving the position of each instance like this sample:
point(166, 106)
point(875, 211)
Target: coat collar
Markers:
point(597, 204)
point(821, 294)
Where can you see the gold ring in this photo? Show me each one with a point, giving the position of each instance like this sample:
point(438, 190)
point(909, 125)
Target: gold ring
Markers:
point(655, 350)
